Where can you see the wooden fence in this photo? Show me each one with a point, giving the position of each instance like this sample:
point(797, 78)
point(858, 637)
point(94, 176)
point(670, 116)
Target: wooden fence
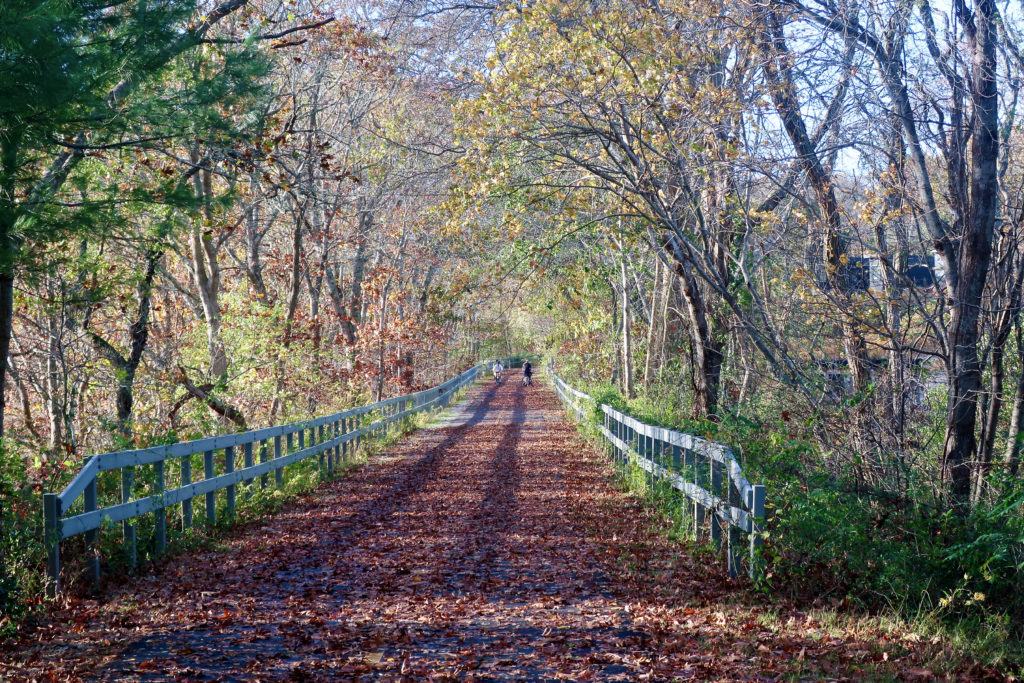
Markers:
point(332, 438)
point(706, 472)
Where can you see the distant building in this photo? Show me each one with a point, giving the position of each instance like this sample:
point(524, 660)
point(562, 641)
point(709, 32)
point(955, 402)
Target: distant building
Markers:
point(923, 374)
point(855, 275)
point(921, 270)
point(864, 273)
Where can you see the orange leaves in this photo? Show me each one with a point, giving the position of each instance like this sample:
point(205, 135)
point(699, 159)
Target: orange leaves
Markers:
point(495, 546)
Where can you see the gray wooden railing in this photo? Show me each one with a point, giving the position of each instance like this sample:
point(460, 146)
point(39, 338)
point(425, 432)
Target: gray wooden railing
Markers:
point(706, 472)
point(332, 437)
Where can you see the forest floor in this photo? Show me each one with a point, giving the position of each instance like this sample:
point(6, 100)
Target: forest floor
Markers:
point(495, 545)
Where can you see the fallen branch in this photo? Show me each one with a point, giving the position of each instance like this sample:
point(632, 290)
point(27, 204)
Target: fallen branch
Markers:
point(215, 404)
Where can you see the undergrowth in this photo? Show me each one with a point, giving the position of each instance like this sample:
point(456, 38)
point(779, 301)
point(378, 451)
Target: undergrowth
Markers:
point(862, 558)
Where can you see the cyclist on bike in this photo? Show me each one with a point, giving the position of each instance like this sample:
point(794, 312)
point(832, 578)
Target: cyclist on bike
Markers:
point(527, 373)
point(497, 369)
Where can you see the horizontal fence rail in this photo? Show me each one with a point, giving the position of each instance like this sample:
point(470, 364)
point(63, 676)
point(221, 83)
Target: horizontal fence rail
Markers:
point(706, 472)
point(333, 438)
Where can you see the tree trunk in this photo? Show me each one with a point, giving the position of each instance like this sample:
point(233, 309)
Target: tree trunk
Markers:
point(54, 386)
point(6, 319)
point(381, 346)
point(991, 420)
point(706, 346)
point(777, 68)
point(893, 268)
point(10, 248)
point(355, 303)
point(657, 322)
point(294, 289)
point(1011, 457)
point(125, 368)
point(616, 336)
point(975, 254)
point(253, 243)
point(225, 410)
point(667, 284)
point(26, 405)
point(627, 339)
point(206, 273)
point(313, 287)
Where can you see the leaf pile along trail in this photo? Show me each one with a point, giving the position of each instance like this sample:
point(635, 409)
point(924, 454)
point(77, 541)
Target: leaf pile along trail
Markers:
point(494, 546)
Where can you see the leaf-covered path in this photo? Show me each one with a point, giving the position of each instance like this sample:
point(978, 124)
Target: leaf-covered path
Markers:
point(494, 546)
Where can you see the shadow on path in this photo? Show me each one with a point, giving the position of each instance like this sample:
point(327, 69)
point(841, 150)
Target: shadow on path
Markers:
point(495, 548)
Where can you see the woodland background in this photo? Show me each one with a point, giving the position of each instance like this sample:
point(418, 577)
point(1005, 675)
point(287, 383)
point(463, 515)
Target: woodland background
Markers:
point(792, 227)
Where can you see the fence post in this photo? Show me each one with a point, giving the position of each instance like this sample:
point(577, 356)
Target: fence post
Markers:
point(91, 547)
point(278, 470)
point(627, 441)
point(229, 467)
point(247, 451)
point(339, 431)
point(128, 527)
point(617, 431)
point(160, 514)
point(609, 448)
point(211, 500)
point(338, 426)
point(344, 446)
point(756, 539)
point(734, 532)
point(658, 451)
point(639, 451)
point(264, 457)
point(620, 429)
point(330, 451)
point(648, 446)
point(613, 433)
point(186, 505)
point(654, 457)
point(716, 491)
point(691, 460)
point(319, 440)
point(635, 440)
point(624, 436)
point(51, 531)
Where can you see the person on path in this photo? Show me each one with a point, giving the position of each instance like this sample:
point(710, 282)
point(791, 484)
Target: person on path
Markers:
point(497, 370)
point(527, 374)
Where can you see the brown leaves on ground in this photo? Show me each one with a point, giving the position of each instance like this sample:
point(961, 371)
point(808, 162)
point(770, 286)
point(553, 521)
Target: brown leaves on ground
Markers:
point(494, 546)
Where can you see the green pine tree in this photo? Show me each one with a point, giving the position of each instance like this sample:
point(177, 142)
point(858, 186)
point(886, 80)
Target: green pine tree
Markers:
point(78, 79)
